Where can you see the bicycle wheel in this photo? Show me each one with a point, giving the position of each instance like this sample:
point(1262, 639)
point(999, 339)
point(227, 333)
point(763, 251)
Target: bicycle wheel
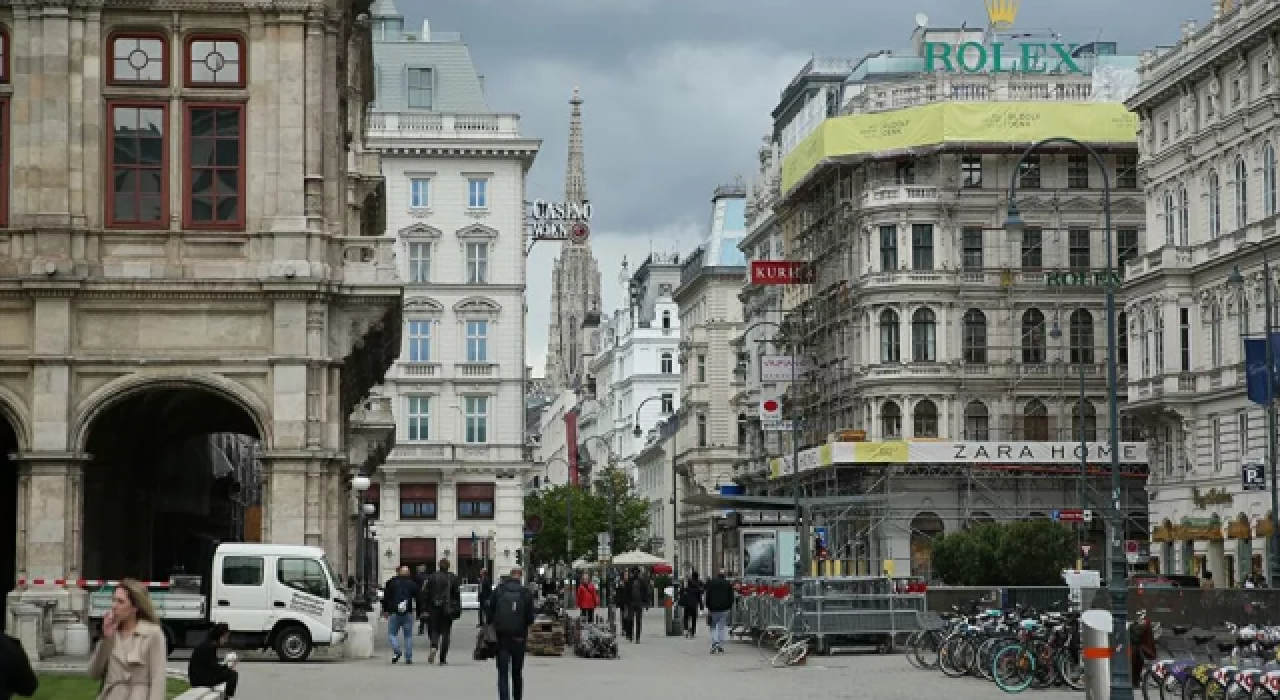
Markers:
point(1046, 670)
point(1151, 685)
point(949, 657)
point(1070, 670)
point(791, 654)
point(1013, 668)
point(913, 647)
point(926, 652)
point(984, 655)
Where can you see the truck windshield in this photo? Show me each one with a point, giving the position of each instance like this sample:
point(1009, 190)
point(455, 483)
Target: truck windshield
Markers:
point(338, 582)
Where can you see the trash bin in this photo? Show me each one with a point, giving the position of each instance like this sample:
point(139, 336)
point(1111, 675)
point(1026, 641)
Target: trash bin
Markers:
point(669, 619)
point(1096, 653)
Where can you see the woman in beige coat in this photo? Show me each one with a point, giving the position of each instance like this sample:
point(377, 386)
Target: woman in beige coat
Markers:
point(130, 659)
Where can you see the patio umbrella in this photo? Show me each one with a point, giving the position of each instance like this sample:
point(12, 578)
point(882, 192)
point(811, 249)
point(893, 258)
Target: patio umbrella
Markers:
point(583, 564)
point(637, 558)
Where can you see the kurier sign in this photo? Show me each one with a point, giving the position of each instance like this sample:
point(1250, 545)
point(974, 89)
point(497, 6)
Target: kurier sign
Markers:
point(998, 57)
point(772, 272)
point(560, 221)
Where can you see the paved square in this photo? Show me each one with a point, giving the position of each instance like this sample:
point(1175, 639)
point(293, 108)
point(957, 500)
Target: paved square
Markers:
point(660, 666)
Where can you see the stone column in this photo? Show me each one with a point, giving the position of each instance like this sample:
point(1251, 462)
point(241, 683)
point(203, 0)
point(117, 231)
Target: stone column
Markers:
point(284, 498)
point(50, 504)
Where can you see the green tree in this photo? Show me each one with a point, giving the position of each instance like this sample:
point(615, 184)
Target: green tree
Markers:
point(591, 509)
point(1026, 553)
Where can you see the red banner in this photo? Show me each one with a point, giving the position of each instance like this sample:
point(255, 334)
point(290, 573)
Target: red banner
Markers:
point(571, 439)
point(779, 272)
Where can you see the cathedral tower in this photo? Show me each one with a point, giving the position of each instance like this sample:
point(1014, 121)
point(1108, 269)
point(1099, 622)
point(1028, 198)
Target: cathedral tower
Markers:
point(575, 280)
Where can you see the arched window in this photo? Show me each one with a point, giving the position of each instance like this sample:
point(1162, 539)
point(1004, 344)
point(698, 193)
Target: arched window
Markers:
point(1215, 206)
point(1081, 337)
point(1168, 217)
point(1090, 421)
point(890, 339)
point(890, 420)
point(666, 319)
point(1033, 337)
point(924, 340)
point(1215, 335)
point(1242, 193)
point(668, 366)
point(1144, 334)
point(1122, 339)
point(1268, 179)
point(1184, 218)
point(924, 422)
point(1035, 421)
point(977, 422)
point(973, 340)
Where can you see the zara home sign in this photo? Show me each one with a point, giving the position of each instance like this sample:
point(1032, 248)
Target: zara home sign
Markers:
point(973, 57)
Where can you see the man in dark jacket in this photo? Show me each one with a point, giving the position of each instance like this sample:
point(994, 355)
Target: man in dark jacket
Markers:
point(511, 612)
point(622, 601)
point(690, 600)
point(639, 599)
point(444, 596)
point(399, 600)
point(424, 620)
point(16, 676)
point(719, 596)
point(486, 594)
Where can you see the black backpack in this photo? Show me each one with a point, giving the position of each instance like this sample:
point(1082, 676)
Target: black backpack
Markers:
point(442, 589)
point(511, 612)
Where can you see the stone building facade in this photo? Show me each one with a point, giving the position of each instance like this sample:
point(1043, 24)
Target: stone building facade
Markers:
point(455, 172)
point(190, 243)
point(1209, 136)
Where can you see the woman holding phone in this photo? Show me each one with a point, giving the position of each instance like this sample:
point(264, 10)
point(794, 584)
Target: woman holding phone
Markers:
point(130, 659)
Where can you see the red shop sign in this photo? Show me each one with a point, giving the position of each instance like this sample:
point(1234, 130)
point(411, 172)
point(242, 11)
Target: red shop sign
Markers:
point(779, 272)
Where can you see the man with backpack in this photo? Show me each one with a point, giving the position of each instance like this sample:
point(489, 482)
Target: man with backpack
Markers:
point(719, 598)
point(398, 601)
point(444, 596)
point(511, 612)
point(639, 599)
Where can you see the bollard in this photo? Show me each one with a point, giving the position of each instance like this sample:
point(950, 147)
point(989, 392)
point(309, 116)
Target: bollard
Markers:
point(1096, 653)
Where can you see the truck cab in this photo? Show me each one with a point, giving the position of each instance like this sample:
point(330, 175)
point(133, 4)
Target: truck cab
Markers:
point(282, 597)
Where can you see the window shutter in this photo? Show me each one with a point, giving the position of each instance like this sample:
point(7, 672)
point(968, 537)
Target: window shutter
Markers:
point(418, 549)
point(418, 492)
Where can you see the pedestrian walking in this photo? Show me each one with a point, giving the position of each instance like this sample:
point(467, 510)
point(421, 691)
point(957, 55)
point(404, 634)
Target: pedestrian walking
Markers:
point(691, 603)
point(622, 601)
point(719, 600)
point(16, 675)
point(588, 598)
point(130, 659)
point(486, 594)
point(206, 670)
point(639, 600)
point(399, 600)
point(424, 620)
point(511, 612)
point(445, 598)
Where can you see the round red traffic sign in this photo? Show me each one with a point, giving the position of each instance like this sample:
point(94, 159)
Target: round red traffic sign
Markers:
point(771, 406)
point(1131, 546)
point(579, 233)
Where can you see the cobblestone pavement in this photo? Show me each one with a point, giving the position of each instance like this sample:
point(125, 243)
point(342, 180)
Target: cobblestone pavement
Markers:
point(671, 667)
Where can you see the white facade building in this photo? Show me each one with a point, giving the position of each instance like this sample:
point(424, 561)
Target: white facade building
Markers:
point(1208, 141)
point(455, 174)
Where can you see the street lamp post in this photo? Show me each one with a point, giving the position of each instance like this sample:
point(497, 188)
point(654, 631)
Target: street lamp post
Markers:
point(1273, 566)
point(802, 537)
point(638, 433)
point(612, 506)
point(360, 484)
point(1121, 684)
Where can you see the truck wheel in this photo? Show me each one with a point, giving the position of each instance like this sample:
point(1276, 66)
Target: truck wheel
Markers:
point(293, 644)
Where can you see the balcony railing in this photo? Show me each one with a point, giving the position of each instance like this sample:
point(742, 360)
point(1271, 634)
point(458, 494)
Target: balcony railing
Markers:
point(472, 370)
point(368, 260)
point(899, 194)
point(1186, 384)
point(420, 369)
point(429, 125)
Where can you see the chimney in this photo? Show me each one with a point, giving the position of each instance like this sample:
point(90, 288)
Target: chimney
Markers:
point(426, 30)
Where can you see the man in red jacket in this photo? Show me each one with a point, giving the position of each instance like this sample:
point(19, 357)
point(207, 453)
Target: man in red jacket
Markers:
point(587, 598)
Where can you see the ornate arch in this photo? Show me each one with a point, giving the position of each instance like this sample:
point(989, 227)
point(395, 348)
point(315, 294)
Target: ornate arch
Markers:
point(12, 410)
point(423, 305)
point(477, 305)
point(117, 390)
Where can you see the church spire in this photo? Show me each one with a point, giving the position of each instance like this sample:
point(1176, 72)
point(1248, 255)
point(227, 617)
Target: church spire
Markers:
point(575, 177)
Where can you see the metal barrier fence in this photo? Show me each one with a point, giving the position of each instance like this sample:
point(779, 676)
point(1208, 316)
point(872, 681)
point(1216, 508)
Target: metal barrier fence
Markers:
point(1208, 609)
point(834, 609)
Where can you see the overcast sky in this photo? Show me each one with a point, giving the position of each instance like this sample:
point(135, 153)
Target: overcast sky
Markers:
point(678, 92)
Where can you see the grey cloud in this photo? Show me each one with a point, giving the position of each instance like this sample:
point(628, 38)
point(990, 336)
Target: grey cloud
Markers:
point(678, 92)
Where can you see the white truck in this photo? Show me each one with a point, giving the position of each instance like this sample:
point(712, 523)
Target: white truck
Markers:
point(272, 596)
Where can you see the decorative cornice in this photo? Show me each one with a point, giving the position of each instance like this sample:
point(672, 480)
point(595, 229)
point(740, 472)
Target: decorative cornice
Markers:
point(519, 151)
